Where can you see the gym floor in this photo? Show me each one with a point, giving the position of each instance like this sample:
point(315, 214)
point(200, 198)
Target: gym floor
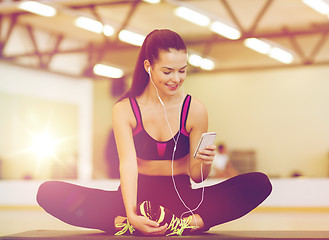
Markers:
point(20, 219)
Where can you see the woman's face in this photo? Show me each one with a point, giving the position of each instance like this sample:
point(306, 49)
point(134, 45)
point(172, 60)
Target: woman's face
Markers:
point(169, 71)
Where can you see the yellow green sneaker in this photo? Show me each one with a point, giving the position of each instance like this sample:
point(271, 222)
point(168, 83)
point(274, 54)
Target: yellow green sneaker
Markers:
point(126, 228)
point(162, 215)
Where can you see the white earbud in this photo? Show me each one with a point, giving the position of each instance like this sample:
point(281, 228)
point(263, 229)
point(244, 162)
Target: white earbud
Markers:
point(149, 71)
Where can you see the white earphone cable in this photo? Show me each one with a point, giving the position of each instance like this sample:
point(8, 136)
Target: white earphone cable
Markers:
point(173, 155)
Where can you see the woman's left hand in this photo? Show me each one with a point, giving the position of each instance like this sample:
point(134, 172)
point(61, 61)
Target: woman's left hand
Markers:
point(207, 155)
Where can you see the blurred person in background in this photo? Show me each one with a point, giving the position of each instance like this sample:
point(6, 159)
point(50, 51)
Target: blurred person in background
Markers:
point(222, 167)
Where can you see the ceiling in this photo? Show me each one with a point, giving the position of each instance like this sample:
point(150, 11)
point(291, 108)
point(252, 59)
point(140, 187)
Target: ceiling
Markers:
point(289, 23)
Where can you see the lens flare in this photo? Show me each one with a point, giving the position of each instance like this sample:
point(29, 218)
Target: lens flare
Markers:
point(43, 145)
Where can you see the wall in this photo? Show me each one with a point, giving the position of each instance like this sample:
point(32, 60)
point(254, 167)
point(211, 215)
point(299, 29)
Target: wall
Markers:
point(34, 83)
point(92, 98)
point(283, 114)
point(101, 126)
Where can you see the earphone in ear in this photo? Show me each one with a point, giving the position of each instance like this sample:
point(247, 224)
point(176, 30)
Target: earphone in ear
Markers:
point(156, 89)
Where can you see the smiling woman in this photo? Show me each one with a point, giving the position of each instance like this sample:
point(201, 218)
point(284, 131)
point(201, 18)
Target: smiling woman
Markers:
point(156, 126)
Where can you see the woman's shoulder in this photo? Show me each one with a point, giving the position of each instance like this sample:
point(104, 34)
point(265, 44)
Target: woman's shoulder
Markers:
point(197, 116)
point(121, 107)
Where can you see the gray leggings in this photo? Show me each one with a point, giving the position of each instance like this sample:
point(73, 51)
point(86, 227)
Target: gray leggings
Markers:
point(97, 209)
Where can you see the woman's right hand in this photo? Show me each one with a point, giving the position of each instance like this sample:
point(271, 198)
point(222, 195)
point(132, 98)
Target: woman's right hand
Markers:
point(147, 226)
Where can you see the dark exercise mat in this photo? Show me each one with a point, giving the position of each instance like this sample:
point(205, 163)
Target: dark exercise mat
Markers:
point(228, 235)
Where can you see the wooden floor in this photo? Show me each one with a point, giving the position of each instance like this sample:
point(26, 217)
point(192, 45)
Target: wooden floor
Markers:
point(259, 224)
point(228, 235)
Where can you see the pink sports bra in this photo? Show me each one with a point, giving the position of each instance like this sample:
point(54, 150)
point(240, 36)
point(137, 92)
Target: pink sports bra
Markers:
point(147, 148)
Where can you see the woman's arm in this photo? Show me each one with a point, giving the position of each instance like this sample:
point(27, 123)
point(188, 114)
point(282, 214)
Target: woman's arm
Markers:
point(127, 155)
point(198, 124)
point(123, 120)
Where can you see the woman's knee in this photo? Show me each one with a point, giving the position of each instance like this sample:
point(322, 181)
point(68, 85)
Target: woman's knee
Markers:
point(45, 194)
point(260, 182)
point(42, 193)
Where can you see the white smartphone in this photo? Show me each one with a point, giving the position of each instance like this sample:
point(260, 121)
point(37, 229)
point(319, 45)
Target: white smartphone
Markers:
point(205, 140)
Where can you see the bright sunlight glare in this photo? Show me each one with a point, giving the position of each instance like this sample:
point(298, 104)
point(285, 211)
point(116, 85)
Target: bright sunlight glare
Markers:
point(43, 145)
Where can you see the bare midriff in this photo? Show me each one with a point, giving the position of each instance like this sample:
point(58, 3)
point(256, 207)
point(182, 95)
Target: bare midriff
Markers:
point(163, 167)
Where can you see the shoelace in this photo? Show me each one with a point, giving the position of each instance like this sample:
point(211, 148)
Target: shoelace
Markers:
point(177, 225)
point(125, 227)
